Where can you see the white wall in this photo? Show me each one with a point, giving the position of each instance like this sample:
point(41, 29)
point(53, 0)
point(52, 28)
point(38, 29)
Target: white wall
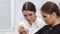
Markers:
point(18, 13)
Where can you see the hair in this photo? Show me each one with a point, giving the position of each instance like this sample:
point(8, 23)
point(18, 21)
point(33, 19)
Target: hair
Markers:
point(50, 7)
point(29, 6)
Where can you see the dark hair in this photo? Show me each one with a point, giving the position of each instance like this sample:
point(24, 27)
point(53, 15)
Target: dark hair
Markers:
point(50, 7)
point(29, 6)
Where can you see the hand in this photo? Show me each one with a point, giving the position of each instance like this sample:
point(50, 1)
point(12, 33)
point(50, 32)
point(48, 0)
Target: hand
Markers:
point(22, 30)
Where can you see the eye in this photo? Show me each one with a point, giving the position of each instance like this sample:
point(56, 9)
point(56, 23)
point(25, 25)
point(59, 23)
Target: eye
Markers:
point(44, 16)
point(25, 15)
point(30, 14)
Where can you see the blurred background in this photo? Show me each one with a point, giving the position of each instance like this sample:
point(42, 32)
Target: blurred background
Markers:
point(16, 12)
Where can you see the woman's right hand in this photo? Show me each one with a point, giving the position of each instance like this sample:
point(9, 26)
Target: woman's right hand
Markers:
point(22, 30)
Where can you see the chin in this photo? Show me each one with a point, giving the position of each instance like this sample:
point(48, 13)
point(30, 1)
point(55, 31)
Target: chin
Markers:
point(47, 23)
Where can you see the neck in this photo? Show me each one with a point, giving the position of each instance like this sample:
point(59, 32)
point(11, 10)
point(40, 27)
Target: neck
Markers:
point(56, 22)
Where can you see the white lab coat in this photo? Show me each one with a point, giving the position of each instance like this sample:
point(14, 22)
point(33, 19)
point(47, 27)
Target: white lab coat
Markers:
point(38, 24)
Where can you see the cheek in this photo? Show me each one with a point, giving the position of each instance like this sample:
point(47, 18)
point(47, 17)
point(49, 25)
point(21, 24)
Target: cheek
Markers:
point(29, 18)
point(32, 17)
point(25, 18)
point(49, 20)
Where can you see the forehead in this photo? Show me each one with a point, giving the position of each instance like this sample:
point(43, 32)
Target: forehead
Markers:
point(44, 13)
point(27, 12)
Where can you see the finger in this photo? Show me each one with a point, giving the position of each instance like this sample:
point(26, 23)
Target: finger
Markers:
point(21, 29)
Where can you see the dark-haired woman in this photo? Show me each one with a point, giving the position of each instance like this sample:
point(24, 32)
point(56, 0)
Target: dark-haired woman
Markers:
point(51, 14)
point(31, 24)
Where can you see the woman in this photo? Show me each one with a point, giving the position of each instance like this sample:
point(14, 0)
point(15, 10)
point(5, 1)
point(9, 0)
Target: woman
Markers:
point(31, 24)
point(51, 14)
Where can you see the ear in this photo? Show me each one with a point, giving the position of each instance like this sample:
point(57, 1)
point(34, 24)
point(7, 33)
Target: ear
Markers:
point(54, 14)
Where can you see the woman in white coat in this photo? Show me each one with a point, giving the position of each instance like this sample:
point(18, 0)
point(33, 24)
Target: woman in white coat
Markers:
point(31, 24)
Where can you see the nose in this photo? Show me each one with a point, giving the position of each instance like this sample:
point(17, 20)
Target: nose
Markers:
point(28, 17)
point(44, 19)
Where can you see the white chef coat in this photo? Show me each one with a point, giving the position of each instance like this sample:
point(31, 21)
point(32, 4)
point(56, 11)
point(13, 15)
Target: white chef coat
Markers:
point(36, 25)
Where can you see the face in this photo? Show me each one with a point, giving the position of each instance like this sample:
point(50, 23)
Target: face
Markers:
point(29, 16)
point(48, 18)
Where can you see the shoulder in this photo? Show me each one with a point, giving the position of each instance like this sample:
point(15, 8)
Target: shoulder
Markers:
point(42, 29)
point(58, 27)
point(45, 27)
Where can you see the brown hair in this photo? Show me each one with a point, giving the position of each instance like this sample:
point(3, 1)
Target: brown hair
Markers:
point(50, 7)
point(29, 6)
